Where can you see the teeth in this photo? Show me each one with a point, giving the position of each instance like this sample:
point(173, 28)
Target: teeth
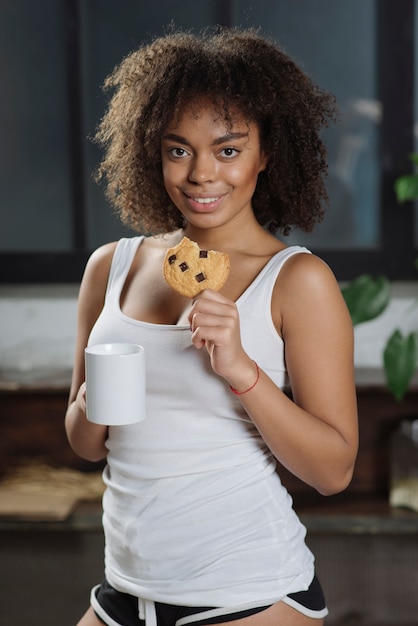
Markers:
point(205, 200)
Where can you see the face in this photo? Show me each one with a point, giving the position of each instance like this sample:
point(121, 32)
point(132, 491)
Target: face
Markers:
point(210, 170)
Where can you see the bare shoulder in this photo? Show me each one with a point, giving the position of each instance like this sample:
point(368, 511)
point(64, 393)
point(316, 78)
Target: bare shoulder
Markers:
point(305, 275)
point(101, 258)
point(306, 287)
point(96, 274)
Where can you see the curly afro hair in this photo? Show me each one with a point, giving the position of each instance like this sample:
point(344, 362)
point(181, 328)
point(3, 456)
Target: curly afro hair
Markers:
point(235, 70)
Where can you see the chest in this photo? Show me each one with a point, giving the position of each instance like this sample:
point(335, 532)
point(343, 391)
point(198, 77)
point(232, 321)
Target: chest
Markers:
point(147, 297)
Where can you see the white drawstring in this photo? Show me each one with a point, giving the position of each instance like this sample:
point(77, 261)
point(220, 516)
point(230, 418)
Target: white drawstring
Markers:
point(146, 612)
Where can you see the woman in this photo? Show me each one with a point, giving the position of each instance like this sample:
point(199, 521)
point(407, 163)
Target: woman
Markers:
point(216, 137)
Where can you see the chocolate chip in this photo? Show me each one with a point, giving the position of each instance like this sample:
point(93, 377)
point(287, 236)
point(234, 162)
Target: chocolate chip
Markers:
point(200, 277)
point(203, 254)
point(183, 266)
point(171, 259)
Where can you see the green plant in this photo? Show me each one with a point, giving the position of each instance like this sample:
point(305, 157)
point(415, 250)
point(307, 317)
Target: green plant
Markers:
point(406, 186)
point(367, 298)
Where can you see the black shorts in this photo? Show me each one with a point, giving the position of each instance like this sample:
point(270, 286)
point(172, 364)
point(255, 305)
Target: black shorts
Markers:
point(115, 608)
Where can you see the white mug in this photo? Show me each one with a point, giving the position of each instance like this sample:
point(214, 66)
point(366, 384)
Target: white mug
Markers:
point(115, 383)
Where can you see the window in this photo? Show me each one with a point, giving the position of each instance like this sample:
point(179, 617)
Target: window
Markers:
point(56, 53)
point(35, 118)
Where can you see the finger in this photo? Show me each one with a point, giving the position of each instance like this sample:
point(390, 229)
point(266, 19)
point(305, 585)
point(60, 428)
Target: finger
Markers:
point(210, 294)
point(205, 319)
point(213, 334)
point(208, 306)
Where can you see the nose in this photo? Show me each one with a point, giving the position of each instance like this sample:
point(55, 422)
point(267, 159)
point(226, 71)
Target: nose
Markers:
point(202, 169)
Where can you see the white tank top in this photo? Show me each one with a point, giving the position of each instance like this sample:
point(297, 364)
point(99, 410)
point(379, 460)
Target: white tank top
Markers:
point(194, 512)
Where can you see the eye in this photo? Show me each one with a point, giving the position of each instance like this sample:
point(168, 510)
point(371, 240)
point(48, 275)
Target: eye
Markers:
point(178, 153)
point(229, 153)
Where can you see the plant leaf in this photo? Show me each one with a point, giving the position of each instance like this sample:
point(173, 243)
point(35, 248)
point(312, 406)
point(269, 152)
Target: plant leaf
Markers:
point(400, 359)
point(414, 157)
point(406, 187)
point(366, 298)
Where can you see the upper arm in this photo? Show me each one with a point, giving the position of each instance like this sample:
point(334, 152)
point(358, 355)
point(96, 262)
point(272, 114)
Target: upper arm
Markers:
point(318, 337)
point(90, 303)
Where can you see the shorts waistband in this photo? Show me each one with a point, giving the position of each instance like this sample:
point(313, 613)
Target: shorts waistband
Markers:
point(112, 607)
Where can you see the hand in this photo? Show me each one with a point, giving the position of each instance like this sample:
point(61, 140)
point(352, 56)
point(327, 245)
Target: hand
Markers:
point(214, 322)
point(87, 439)
point(80, 400)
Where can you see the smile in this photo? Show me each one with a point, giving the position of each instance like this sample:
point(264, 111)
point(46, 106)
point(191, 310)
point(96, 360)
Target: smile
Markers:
point(204, 204)
point(205, 200)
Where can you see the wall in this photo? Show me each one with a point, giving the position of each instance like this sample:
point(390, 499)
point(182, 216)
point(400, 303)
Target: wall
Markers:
point(38, 327)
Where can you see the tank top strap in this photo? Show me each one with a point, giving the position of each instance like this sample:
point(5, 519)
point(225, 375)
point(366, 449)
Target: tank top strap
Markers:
point(278, 260)
point(122, 260)
point(267, 277)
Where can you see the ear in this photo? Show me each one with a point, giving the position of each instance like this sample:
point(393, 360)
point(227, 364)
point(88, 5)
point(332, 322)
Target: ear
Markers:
point(264, 159)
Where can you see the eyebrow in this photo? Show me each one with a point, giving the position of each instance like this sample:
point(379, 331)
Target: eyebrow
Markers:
point(216, 142)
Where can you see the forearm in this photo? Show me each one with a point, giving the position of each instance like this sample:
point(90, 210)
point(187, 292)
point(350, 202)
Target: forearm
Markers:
point(312, 449)
point(86, 439)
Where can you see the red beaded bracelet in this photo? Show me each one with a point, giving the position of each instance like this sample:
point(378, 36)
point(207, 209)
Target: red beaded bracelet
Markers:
point(240, 393)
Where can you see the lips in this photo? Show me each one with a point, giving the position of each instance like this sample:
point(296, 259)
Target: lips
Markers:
point(205, 200)
point(204, 203)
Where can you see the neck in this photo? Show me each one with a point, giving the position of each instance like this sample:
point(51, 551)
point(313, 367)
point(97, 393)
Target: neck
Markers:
point(231, 236)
